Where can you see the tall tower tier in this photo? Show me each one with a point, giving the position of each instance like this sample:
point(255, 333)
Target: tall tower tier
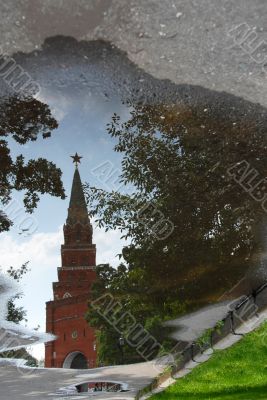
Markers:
point(75, 346)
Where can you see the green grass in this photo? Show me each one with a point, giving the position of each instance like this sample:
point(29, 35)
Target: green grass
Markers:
point(238, 373)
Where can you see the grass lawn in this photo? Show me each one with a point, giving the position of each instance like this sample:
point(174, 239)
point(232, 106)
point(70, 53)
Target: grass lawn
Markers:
point(239, 372)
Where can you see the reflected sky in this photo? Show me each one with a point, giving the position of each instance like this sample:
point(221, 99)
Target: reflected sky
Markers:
point(82, 128)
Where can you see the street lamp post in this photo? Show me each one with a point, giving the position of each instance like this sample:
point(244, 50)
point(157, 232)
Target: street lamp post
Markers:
point(121, 343)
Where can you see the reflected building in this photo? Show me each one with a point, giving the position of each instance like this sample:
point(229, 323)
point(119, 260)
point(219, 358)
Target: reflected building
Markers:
point(75, 345)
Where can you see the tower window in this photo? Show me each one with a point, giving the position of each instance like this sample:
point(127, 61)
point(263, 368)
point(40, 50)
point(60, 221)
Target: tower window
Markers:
point(64, 337)
point(78, 234)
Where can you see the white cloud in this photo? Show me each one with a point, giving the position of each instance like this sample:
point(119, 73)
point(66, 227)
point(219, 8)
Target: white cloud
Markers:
point(40, 248)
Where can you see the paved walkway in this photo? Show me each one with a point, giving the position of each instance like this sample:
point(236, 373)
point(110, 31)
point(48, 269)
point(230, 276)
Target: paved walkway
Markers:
point(42, 384)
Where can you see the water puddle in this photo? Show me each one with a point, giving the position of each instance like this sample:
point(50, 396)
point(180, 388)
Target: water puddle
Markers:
point(93, 387)
point(198, 153)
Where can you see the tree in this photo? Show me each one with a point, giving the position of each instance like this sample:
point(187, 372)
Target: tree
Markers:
point(18, 314)
point(112, 280)
point(25, 120)
point(104, 334)
point(181, 162)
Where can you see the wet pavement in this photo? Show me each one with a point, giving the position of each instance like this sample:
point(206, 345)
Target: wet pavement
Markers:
point(43, 384)
point(184, 41)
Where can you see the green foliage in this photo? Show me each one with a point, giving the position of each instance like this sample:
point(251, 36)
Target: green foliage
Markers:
point(108, 352)
point(175, 162)
point(110, 280)
point(205, 338)
point(219, 326)
point(25, 120)
point(18, 273)
point(126, 287)
point(175, 159)
point(16, 314)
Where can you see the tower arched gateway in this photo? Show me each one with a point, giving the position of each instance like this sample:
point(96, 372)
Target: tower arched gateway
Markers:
point(75, 360)
point(75, 344)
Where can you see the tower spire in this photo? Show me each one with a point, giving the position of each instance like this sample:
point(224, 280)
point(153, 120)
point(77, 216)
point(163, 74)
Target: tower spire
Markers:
point(77, 211)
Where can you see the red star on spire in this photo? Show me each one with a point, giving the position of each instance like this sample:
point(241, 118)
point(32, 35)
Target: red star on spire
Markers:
point(76, 159)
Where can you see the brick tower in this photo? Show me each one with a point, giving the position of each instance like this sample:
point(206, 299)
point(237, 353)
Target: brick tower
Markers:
point(75, 344)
